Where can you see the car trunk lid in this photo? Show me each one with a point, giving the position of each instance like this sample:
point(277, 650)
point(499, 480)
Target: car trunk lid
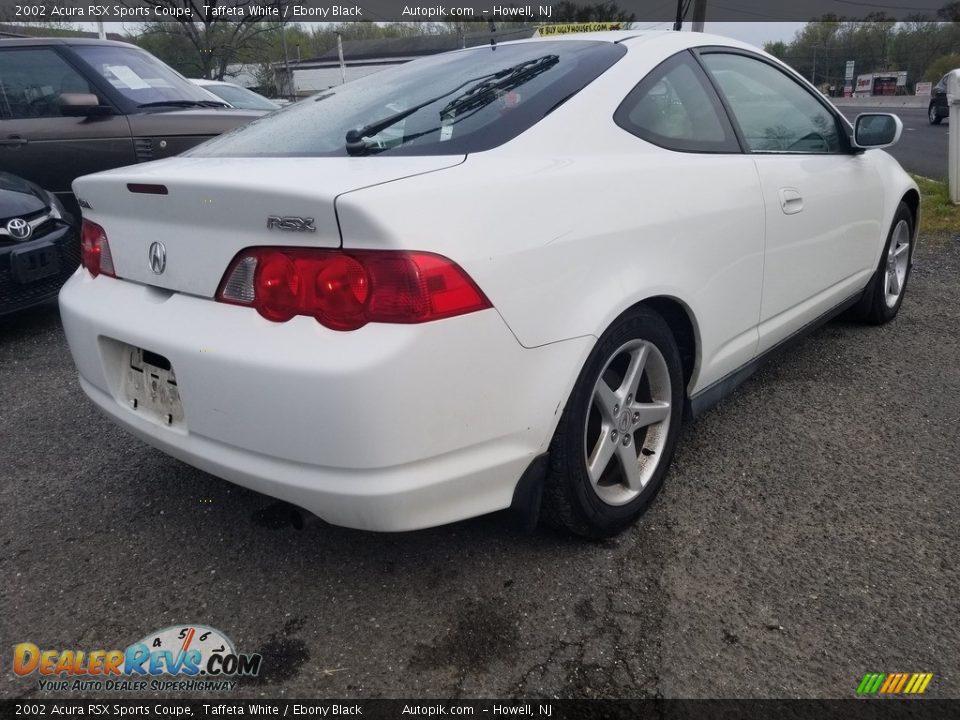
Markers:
point(205, 210)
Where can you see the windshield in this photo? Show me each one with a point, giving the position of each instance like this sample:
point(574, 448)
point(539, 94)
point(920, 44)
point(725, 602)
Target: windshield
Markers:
point(139, 75)
point(449, 104)
point(240, 97)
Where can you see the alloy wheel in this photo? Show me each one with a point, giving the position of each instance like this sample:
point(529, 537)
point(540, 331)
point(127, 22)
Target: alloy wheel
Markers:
point(898, 257)
point(628, 422)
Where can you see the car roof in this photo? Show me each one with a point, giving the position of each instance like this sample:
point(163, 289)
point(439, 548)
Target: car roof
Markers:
point(47, 41)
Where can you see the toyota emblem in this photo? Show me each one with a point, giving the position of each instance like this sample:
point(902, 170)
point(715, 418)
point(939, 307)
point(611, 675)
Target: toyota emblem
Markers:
point(158, 257)
point(19, 229)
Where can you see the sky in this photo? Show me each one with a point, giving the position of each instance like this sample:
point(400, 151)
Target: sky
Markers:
point(755, 33)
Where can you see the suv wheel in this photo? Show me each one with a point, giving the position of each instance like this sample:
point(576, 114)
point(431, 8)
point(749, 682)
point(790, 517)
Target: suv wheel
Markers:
point(933, 116)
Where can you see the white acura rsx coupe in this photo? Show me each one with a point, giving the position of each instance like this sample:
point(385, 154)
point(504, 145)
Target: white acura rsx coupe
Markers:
point(492, 278)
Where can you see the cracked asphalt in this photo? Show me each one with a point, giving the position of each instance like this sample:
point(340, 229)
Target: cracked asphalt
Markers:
point(807, 534)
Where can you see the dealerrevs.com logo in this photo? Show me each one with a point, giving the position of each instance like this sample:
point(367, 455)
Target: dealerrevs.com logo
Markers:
point(176, 659)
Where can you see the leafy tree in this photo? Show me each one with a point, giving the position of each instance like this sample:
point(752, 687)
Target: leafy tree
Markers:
point(778, 49)
point(941, 67)
point(950, 12)
point(821, 49)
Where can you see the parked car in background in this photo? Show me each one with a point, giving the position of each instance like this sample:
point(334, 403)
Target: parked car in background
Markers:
point(236, 95)
point(69, 107)
point(938, 108)
point(39, 244)
point(485, 277)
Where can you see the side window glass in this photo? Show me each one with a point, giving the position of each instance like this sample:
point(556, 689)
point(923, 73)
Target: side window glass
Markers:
point(775, 113)
point(675, 107)
point(31, 82)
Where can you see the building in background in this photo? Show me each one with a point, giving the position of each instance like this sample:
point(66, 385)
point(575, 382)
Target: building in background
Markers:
point(365, 57)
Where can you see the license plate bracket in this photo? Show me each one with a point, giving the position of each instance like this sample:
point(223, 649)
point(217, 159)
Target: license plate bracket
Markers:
point(150, 386)
point(28, 265)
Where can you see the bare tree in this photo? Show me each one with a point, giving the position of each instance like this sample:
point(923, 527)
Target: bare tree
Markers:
point(219, 33)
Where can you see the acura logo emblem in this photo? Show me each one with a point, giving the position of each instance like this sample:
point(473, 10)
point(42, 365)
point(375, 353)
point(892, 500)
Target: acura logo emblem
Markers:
point(158, 257)
point(19, 229)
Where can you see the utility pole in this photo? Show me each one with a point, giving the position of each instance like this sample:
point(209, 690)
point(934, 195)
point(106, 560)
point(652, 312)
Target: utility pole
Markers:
point(699, 14)
point(343, 67)
point(286, 61)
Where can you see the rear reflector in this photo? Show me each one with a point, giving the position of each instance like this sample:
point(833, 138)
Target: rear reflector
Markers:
point(95, 250)
point(345, 290)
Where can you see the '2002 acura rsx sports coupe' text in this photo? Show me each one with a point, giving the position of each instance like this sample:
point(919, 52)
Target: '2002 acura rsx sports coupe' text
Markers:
point(489, 278)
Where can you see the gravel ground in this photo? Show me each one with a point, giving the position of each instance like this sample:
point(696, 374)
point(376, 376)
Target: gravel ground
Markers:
point(807, 534)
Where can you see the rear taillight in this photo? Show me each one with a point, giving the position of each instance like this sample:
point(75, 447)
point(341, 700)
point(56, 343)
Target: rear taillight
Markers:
point(345, 290)
point(95, 250)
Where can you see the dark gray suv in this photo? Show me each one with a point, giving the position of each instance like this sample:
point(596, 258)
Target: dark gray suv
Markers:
point(69, 107)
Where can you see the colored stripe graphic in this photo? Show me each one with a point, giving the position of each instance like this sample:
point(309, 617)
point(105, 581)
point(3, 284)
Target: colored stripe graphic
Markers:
point(870, 683)
point(891, 680)
point(914, 682)
point(894, 683)
point(901, 682)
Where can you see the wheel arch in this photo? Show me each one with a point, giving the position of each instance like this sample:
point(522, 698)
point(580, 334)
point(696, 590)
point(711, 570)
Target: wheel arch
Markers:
point(682, 322)
point(912, 198)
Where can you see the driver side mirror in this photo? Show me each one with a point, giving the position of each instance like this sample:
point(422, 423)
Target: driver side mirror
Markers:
point(81, 105)
point(876, 130)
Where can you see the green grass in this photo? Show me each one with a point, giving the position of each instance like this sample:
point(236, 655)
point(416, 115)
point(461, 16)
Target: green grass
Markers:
point(937, 213)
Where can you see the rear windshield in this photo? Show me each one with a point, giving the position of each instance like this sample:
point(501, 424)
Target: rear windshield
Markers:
point(450, 104)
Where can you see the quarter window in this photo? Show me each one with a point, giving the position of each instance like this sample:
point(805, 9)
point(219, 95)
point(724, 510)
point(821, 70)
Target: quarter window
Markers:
point(675, 107)
point(775, 113)
point(31, 82)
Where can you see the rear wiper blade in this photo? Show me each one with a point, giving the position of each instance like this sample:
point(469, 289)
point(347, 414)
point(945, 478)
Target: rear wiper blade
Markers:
point(183, 103)
point(355, 138)
point(485, 92)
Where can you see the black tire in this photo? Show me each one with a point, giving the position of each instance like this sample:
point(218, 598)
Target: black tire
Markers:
point(570, 499)
point(933, 116)
point(875, 307)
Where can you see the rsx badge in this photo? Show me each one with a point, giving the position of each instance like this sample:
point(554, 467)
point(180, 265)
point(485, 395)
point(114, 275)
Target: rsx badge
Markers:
point(294, 224)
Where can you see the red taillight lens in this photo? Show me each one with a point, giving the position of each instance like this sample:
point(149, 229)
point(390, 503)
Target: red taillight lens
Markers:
point(345, 290)
point(95, 250)
point(276, 287)
point(342, 289)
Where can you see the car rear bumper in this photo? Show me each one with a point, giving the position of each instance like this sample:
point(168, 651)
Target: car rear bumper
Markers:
point(391, 427)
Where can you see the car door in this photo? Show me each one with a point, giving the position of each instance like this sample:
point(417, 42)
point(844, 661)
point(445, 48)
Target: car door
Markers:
point(717, 232)
point(40, 144)
point(823, 201)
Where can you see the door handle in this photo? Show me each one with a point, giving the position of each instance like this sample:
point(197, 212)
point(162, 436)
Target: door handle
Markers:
point(13, 141)
point(791, 201)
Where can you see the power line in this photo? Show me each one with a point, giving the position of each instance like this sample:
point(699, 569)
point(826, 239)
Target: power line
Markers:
point(886, 7)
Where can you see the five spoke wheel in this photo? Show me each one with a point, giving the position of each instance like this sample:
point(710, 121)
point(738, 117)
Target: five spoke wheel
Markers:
point(626, 427)
point(898, 257)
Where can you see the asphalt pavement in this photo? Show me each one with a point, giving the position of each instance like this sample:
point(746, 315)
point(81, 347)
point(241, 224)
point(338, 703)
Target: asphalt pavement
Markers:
point(805, 536)
point(922, 148)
